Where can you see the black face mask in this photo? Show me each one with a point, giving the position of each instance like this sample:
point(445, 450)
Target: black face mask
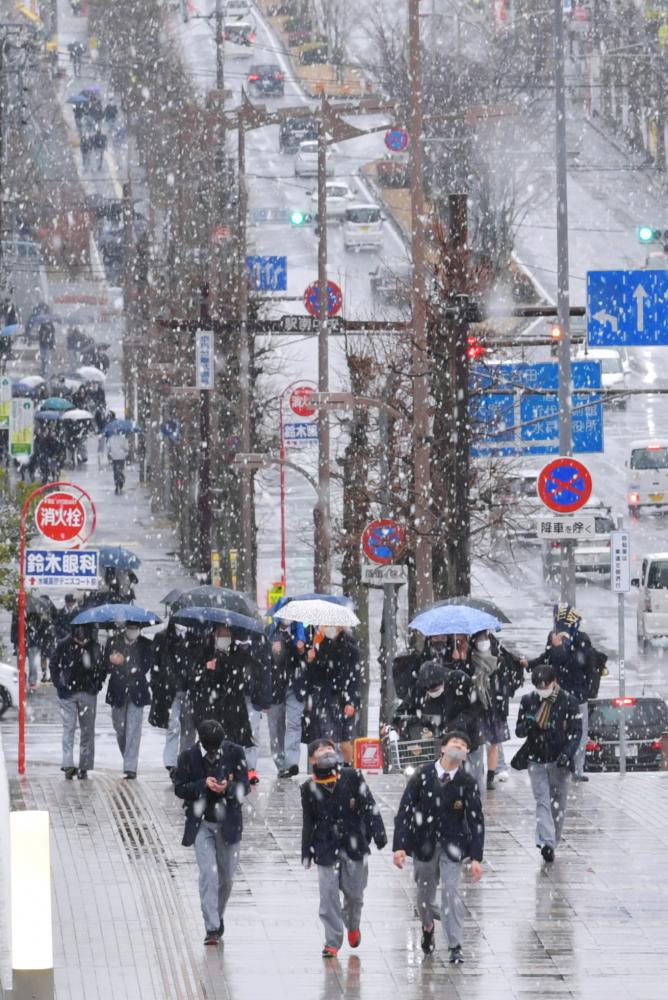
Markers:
point(325, 766)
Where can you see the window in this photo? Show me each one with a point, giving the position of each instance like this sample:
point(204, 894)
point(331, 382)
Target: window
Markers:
point(658, 576)
point(362, 216)
point(645, 718)
point(649, 458)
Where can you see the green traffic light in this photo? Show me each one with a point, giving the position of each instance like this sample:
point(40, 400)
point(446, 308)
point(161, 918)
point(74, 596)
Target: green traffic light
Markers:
point(646, 234)
point(297, 218)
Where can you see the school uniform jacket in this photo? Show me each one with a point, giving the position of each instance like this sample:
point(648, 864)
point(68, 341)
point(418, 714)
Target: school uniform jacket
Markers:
point(343, 818)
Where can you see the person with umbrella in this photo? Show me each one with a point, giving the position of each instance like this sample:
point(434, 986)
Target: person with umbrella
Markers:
point(46, 338)
point(170, 657)
point(332, 688)
point(118, 450)
point(497, 674)
point(212, 779)
point(63, 618)
point(288, 650)
point(128, 659)
point(78, 673)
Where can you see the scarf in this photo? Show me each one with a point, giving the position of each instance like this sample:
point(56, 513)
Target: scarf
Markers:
point(546, 708)
point(484, 665)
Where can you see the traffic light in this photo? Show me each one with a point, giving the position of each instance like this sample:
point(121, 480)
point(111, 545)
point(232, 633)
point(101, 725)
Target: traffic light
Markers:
point(298, 218)
point(556, 333)
point(648, 234)
point(474, 350)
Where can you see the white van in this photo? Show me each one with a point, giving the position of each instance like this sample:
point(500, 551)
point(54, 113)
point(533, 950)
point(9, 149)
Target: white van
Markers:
point(362, 227)
point(652, 616)
point(648, 475)
point(239, 39)
point(592, 555)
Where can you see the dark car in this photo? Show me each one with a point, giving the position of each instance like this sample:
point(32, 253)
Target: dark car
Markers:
point(391, 285)
point(266, 78)
point(646, 719)
point(294, 131)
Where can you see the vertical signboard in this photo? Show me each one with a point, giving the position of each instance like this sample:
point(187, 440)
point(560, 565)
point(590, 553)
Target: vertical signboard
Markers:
point(5, 401)
point(21, 427)
point(620, 562)
point(204, 360)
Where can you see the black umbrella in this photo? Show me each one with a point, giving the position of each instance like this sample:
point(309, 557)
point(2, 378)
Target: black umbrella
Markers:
point(207, 596)
point(172, 596)
point(40, 604)
point(475, 602)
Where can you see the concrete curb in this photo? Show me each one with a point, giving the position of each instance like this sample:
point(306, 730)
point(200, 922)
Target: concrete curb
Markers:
point(5, 902)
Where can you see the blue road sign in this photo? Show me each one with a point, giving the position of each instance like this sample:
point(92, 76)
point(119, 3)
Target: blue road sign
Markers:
point(627, 308)
point(76, 568)
point(508, 419)
point(268, 274)
point(397, 140)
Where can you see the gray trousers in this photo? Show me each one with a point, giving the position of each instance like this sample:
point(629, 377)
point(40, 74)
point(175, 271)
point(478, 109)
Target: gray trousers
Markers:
point(549, 785)
point(170, 753)
point(580, 753)
point(79, 707)
point(285, 731)
point(350, 879)
point(427, 876)
point(254, 718)
point(33, 664)
point(476, 768)
point(217, 863)
point(127, 723)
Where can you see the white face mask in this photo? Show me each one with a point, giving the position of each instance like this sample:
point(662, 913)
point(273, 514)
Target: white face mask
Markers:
point(132, 634)
point(437, 691)
point(223, 643)
point(545, 692)
point(181, 630)
point(483, 645)
point(331, 632)
point(455, 754)
point(85, 659)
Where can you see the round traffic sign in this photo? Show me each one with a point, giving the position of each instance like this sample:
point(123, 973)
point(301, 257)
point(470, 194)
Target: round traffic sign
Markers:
point(383, 541)
point(300, 401)
point(564, 485)
point(397, 140)
point(312, 299)
point(60, 516)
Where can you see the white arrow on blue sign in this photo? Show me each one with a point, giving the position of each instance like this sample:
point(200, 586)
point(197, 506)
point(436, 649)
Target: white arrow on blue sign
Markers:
point(627, 308)
point(268, 274)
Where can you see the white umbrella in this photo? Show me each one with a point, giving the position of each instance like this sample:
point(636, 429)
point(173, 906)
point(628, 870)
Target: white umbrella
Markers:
point(318, 613)
point(33, 381)
point(77, 415)
point(91, 374)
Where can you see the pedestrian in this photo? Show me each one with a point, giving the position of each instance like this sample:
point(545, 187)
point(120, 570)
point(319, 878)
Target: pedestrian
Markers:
point(86, 144)
point(440, 824)
point(117, 453)
point(168, 690)
point(497, 674)
point(64, 616)
point(212, 779)
point(77, 671)
point(406, 666)
point(332, 689)
point(256, 658)
point(100, 145)
point(46, 337)
point(339, 819)
point(549, 722)
point(33, 652)
point(570, 652)
point(128, 657)
point(76, 51)
point(288, 645)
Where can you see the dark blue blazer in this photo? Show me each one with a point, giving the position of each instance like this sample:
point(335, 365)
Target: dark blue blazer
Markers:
point(129, 681)
point(345, 818)
point(431, 813)
point(190, 785)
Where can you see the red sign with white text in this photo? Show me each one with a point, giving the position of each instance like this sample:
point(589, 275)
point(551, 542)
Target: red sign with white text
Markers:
point(60, 517)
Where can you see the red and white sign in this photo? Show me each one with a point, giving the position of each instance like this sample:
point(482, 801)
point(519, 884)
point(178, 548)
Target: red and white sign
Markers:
point(368, 754)
point(383, 541)
point(300, 401)
point(60, 517)
point(564, 485)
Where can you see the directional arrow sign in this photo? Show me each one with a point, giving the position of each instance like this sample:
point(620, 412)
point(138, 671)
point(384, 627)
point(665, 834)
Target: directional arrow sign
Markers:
point(627, 308)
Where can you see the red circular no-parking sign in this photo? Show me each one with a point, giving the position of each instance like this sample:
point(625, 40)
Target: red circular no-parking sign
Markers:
point(564, 485)
point(60, 516)
point(300, 401)
point(383, 541)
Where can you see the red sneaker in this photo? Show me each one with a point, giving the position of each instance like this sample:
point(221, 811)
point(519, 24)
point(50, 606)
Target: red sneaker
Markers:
point(354, 938)
point(253, 777)
point(328, 952)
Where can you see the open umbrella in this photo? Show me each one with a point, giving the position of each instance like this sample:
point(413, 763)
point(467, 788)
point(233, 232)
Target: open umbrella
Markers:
point(9, 331)
point(118, 556)
point(65, 382)
point(344, 602)
point(40, 604)
point(218, 616)
point(77, 99)
point(114, 615)
point(77, 415)
point(453, 619)
point(207, 596)
point(475, 602)
point(91, 374)
point(48, 416)
point(24, 389)
point(172, 596)
point(318, 612)
point(122, 427)
point(57, 403)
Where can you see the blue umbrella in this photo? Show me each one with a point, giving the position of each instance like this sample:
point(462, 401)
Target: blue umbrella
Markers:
point(122, 427)
point(112, 615)
point(48, 416)
point(77, 99)
point(218, 616)
point(7, 331)
point(453, 619)
point(118, 556)
point(21, 389)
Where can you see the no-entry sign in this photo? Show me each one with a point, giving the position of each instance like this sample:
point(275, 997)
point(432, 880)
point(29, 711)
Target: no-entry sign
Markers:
point(564, 485)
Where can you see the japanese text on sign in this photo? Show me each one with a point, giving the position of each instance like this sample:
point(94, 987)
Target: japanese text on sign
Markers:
point(303, 433)
point(204, 362)
point(58, 568)
point(566, 526)
point(620, 562)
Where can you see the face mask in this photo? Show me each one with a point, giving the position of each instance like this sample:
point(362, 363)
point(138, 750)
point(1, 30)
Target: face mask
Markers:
point(211, 747)
point(180, 630)
point(439, 648)
point(437, 691)
point(545, 692)
point(223, 643)
point(454, 753)
point(483, 646)
point(132, 634)
point(325, 764)
point(331, 632)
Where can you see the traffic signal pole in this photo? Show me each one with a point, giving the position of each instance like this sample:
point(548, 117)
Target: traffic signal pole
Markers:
point(563, 290)
point(247, 506)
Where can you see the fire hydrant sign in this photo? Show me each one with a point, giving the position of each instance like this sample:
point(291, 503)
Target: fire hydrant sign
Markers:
point(60, 517)
point(73, 568)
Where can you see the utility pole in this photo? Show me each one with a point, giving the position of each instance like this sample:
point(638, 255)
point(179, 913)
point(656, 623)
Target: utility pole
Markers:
point(247, 509)
point(460, 513)
point(420, 357)
point(388, 645)
point(204, 494)
point(563, 296)
point(322, 513)
point(129, 375)
point(220, 46)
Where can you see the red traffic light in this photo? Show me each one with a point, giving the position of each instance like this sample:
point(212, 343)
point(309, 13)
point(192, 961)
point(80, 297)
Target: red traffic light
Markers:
point(474, 350)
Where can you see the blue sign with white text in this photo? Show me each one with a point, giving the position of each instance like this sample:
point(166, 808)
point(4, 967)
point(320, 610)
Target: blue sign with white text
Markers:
point(627, 308)
point(507, 418)
point(76, 568)
point(268, 274)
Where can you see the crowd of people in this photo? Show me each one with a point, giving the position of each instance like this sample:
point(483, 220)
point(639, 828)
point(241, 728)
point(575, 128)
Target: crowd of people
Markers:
point(209, 685)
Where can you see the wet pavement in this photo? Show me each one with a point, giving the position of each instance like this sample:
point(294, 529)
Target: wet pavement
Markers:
point(127, 922)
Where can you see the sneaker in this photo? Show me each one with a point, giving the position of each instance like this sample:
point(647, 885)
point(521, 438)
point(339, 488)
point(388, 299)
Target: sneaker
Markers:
point(212, 938)
point(547, 853)
point(69, 772)
point(580, 777)
point(502, 776)
point(354, 938)
point(428, 940)
point(456, 957)
point(129, 775)
point(82, 775)
point(328, 952)
point(253, 777)
point(289, 772)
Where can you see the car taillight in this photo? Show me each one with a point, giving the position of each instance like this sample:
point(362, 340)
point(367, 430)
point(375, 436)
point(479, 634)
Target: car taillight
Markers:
point(625, 702)
point(648, 603)
point(656, 745)
point(592, 746)
point(253, 77)
point(634, 498)
point(251, 37)
point(555, 545)
point(279, 76)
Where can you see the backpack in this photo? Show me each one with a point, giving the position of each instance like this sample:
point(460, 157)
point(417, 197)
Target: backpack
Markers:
point(596, 668)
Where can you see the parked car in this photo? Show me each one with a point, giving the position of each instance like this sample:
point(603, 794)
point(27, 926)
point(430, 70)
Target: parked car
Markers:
point(648, 475)
point(306, 160)
point(584, 353)
point(391, 283)
point(656, 261)
point(9, 687)
point(592, 555)
point(613, 375)
point(652, 613)
point(339, 197)
point(237, 8)
point(293, 131)
point(518, 501)
point(645, 719)
point(363, 227)
point(266, 78)
point(239, 39)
